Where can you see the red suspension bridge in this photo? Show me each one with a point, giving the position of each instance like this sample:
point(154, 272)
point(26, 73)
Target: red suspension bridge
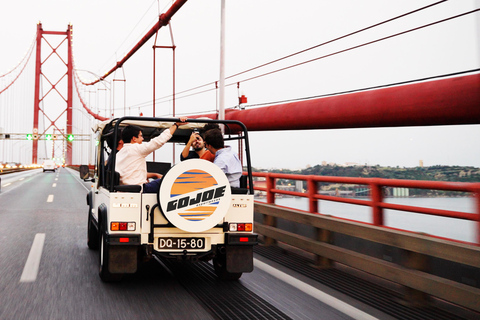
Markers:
point(47, 110)
point(63, 108)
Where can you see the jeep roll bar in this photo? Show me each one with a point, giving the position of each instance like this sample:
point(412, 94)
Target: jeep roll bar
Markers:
point(229, 124)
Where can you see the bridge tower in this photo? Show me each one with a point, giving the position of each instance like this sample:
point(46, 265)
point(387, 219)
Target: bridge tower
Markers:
point(52, 87)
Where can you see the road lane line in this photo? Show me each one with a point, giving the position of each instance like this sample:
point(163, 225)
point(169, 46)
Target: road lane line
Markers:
point(50, 198)
point(78, 179)
point(21, 179)
point(30, 271)
point(7, 184)
point(54, 185)
point(314, 292)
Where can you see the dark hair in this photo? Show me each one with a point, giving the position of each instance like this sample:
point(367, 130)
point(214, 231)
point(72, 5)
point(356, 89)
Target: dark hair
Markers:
point(110, 138)
point(208, 126)
point(129, 132)
point(214, 137)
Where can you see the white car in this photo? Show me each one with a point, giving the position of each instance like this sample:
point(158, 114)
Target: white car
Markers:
point(196, 215)
point(49, 165)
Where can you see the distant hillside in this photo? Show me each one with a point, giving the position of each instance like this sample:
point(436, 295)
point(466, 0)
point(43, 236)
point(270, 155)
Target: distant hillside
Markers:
point(433, 173)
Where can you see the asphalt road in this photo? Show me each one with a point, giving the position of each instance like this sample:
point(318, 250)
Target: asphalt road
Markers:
point(47, 271)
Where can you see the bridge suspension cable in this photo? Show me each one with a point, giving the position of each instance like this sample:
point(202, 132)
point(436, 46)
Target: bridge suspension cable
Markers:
point(169, 97)
point(163, 20)
point(339, 38)
point(360, 45)
point(24, 61)
point(368, 88)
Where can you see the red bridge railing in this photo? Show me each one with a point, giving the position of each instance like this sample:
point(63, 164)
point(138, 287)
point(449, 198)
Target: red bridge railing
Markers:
point(376, 202)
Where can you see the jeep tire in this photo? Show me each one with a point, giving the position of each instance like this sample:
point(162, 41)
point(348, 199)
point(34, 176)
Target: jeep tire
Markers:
point(92, 233)
point(104, 254)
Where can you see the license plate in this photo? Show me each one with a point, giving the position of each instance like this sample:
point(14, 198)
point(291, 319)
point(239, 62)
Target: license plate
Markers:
point(181, 243)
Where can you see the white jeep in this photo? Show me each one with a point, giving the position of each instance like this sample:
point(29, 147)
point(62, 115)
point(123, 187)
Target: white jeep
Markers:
point(196, 215)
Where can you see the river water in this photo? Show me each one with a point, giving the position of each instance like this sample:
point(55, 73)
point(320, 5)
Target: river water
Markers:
point(457, 229)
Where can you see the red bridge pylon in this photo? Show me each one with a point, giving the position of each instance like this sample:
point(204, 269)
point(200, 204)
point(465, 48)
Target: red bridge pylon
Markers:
point(57, 85)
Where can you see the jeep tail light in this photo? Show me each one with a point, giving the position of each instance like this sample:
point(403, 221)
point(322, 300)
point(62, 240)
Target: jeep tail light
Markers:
point(122, 226)
point(240, 227)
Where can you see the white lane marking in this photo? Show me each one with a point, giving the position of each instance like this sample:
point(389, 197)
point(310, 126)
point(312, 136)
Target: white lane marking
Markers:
point(314, 292)
point(30, 271)
point(77, 178)
point(7, 184)
point(56, 179)
point(50, 198)
point(21, 179)
point(54, 185)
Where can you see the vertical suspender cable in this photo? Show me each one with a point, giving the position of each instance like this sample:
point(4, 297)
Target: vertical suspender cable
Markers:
point(221, 93)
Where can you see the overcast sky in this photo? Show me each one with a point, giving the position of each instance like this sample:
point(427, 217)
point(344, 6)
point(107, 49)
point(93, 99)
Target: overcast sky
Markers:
point(259, 31)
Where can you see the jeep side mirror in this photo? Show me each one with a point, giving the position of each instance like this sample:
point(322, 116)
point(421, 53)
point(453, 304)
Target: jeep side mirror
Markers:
point(84, 172)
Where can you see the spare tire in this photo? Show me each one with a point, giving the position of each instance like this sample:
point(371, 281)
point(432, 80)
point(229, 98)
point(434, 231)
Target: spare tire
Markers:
point(194, 195)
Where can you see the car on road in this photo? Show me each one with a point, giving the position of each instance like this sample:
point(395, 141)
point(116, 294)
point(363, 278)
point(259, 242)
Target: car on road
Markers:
point(195, 216)
point(49, 165)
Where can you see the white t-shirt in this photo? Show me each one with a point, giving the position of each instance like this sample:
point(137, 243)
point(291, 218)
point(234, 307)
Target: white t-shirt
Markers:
point(130, 161)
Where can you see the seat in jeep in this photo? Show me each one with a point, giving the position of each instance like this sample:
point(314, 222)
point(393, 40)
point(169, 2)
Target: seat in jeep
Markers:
point(118, 187)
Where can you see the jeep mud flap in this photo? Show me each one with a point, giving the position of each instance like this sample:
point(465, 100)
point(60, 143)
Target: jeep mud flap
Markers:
point(123, 253)
point(239, 252)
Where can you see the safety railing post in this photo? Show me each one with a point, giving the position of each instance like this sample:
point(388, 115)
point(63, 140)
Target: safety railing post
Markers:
point(322, 235)
point(377, 198)
point(477, 211)
point(270, 187)
point(325, 236)
point(312, 191)
point(269, 220)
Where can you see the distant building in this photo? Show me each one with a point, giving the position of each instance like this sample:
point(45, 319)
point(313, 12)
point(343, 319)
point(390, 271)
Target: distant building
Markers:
point(401, 192)
point(351, 164)
point(299, 186)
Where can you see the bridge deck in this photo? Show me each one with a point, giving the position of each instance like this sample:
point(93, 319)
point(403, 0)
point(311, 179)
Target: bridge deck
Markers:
point(379, 294)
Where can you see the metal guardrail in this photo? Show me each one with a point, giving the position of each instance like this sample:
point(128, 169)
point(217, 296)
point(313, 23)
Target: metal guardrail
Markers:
point(413, 272)
point(375, 186)
point(6, 171)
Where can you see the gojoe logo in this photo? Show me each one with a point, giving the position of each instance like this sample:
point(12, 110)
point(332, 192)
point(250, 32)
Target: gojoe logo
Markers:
point(195, 195)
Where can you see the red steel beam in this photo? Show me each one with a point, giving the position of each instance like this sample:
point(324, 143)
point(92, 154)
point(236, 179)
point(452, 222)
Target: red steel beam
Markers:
point(451, 101)
point(69, 95)
point(36, 102)
point(163, 20)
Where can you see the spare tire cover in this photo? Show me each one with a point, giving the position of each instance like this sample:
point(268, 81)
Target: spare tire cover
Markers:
point(194, 195)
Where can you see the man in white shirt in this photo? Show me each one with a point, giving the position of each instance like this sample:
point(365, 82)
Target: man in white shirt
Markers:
point(225, 158)
point(130, 161)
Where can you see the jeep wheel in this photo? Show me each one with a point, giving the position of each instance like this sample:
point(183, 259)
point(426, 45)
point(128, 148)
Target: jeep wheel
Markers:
point(92, 233)
point(221, 269)
point(104, 253)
